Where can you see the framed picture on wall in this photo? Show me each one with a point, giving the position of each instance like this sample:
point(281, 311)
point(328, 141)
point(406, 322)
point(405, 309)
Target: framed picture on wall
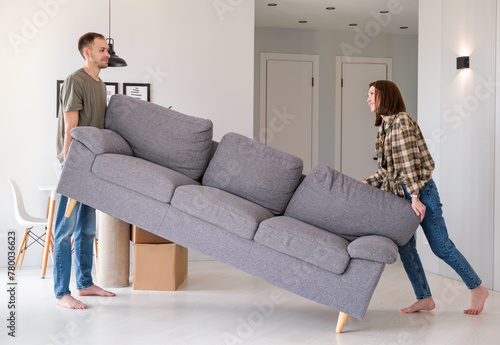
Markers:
point(140, 91)
point(58, 96)
point(111, 89)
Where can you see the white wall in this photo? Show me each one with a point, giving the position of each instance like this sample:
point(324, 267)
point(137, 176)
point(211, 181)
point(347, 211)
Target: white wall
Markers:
point(429, 98)
point(457, 114)
point(197, 59)
point(496, 234)
point(328, 45)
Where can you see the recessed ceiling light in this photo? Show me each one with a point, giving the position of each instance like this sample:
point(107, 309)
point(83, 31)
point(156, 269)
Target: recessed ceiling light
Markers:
point(330, 8)
point(403, 27)
point(384, 12)
point(353, 24)
point(302, 21)
point(272, 4)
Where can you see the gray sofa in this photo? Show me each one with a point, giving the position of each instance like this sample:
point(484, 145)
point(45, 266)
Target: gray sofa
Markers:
point(325, 236)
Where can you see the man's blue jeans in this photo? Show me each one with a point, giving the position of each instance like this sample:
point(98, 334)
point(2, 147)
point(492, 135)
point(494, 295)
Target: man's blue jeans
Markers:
point(437, 235)
point(81, 223)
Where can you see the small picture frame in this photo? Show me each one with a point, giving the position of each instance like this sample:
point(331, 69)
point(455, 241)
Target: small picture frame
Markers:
point(140, 91)
point(58, 96)
point(111, 89)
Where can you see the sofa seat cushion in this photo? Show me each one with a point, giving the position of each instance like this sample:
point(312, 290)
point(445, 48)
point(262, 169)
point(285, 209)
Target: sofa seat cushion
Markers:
point(230, 212)
point(160, 135)
point(254, 171)
point(139, 175)
point(304, 241)
point(338, 203)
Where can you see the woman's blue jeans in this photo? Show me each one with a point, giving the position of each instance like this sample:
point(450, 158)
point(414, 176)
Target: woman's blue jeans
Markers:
point(437, 235)
point(81, 223)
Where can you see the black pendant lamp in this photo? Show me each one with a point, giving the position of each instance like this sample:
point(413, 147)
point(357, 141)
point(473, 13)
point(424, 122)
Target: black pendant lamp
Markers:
point(114, 60)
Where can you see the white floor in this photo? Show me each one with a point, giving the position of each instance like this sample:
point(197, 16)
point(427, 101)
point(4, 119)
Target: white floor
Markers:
point(221, 305)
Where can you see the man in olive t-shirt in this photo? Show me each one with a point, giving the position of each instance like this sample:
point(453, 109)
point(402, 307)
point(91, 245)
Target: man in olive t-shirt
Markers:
point(83, 103)
point(82, 93)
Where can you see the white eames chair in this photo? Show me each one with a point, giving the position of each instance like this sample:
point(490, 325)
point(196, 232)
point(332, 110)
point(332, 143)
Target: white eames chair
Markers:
point(29, 222)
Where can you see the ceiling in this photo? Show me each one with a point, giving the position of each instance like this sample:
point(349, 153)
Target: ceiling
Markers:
point(365, 13)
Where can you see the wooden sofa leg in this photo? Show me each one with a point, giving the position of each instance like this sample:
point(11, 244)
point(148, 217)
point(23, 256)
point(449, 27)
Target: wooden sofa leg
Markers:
point(341, 322)
point(69, 207)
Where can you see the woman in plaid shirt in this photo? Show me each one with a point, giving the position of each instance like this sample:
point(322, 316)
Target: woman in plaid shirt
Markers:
point(405, 168)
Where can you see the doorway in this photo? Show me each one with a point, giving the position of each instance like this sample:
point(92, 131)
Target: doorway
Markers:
point(355, 132)
point(289, 103)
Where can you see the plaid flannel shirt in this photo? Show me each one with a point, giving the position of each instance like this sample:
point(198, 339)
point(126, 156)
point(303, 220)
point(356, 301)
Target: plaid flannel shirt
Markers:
point(403, 156)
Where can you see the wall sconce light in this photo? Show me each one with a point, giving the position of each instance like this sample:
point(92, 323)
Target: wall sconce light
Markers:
point(462, 62)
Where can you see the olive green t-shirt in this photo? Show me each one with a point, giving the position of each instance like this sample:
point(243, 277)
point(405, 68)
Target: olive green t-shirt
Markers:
point(80, 92)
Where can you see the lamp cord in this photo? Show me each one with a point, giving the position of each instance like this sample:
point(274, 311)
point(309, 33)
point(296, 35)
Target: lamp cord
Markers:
point(109, 18)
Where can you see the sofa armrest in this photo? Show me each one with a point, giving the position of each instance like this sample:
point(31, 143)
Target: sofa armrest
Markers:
point(374, 248)
point(101, 141)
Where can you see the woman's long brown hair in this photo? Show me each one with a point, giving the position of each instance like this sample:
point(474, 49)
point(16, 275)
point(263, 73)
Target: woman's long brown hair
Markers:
point(389, 99)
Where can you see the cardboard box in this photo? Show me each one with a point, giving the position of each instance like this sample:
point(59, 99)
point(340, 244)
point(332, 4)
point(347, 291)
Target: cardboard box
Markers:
point(138, 235)
point(159, 266)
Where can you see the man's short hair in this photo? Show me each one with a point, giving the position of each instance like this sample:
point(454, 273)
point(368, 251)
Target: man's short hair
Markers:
point(87, 40)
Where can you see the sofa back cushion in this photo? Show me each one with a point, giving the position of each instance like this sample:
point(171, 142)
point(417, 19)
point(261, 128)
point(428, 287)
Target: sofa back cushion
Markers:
point(254, 171)
point(162, 136)
point(340, 204)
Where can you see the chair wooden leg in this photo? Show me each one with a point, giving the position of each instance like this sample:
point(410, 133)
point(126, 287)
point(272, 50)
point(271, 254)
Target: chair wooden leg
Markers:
point(341, 322)
point(21, 247)
point(25, 246)
point(44, 237)
point(48, 234)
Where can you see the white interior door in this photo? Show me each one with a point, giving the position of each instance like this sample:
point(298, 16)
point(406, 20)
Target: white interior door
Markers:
point(358, 157)
point(289, 109)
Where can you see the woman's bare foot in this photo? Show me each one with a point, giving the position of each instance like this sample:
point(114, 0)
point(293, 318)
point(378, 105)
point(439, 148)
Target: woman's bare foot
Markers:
point(95, 290)
point(69, 302)
point(478, 297)
point(422, 304)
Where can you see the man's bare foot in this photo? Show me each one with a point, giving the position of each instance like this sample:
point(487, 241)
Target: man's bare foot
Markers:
point(422, 304)
point(478, 297)
point(69, 302)
point(95, 290)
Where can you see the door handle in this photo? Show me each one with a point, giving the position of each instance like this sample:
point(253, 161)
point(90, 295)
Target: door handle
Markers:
point(375, 158)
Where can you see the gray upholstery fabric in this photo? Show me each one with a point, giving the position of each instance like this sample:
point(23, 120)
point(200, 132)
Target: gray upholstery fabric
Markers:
point(254, 171)
point(335, 202)
point(101, 141)
point(301, 240)
point(78, 182)
point(374, 248)
point(160, 135)
point(213, 148)
point(230, 212)
point(139, 175)
point(349, 292)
